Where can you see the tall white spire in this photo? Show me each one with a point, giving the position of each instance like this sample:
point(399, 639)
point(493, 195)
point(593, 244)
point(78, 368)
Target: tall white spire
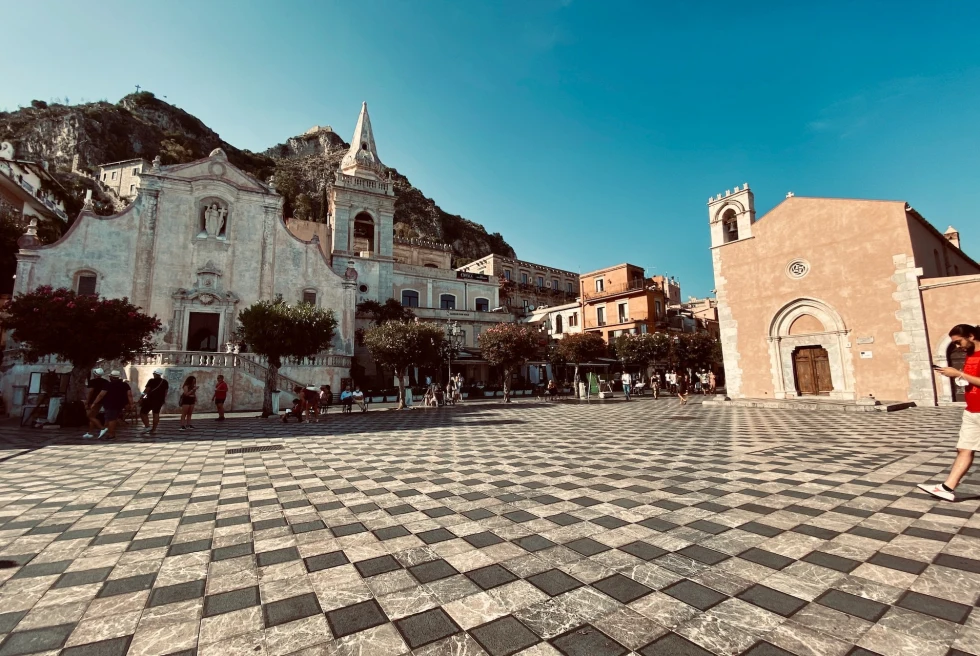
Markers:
point(362, 159)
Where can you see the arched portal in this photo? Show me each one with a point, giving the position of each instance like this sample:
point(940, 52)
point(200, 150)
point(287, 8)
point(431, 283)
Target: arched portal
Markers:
point(808, 351)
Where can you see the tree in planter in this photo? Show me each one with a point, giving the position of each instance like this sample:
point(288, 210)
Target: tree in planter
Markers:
point(82, 329)
point(398, 345)
point(643, 349)
point(579, 348)
point(508, 346)
point(278, 330)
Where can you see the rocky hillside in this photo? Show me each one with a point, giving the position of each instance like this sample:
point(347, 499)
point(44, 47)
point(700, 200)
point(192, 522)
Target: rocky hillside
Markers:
point(141, 125)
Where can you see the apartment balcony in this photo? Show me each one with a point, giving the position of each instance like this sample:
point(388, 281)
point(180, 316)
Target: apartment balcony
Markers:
point(19, 191)
point(618, 322)
point(615, 290)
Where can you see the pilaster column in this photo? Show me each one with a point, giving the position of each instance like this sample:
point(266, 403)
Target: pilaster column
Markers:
point(145, 246)
point(266, 267)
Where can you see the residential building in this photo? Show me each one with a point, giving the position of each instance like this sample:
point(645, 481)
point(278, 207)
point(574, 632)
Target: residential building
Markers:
point(840, 298)
point(704, 311)
point(557, 321)
point(123, 178)
point(30, 188)
point(525, 286)
point(621, 300)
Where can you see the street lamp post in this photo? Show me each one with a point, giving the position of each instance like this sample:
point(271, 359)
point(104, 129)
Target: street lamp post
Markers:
point(454, 337)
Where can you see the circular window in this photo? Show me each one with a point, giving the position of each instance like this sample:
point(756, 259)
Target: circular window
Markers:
point(363, 288)
point(797, 268)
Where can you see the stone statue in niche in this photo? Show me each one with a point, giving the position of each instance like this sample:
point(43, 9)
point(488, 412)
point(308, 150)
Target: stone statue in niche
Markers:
point(215, 221)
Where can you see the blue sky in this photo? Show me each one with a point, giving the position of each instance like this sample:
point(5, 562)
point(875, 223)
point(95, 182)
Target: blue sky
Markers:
point(588, 133)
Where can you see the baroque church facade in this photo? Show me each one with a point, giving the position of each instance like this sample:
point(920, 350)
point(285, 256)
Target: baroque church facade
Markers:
point(204, 240)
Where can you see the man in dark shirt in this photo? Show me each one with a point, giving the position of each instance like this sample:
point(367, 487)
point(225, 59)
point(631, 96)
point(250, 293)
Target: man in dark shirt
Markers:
point(96, 385)
point(154, 396)
point(116, 397)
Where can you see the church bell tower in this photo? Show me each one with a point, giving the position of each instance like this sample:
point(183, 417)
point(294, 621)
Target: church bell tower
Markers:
point(362, 211)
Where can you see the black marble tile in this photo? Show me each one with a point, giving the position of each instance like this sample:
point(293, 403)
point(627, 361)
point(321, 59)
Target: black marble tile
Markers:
point(182, 548)
point(348, 529)
point(586, 640)
point(375, 566)
point(772, 600)
point(432, 570)
point(170, 594)
point(391, 532)
point(290, 610)
point(227, 602)
point(866, 609)
point(426, 627)
point(36, 640)
point(490, 576)
point(695, 594)
point(934, 606)
point(113, 647)
point(126, 585)
point(435, 536)
point(504, 636)
point(621, 588)
point(554, 582)
point(897, 562)
point(587, 546)
point(276, 556)
point(533, 543)
point(643, 550)
point(673, 645)
point(484, 539)
point(767, 558)
point(234, 551)
point(831, 561)
point(703, 554)
point(658, 524)
point(82, 577)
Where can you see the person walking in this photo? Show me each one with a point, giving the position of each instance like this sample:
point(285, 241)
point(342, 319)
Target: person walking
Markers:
point(312, 400)
point(188, 399)
point(152, 400)
point(682, 388)
point(116, 397)
point(627, 384)
point(96, 385)
point(712, 382)
point(220, 395)
point(967, 338)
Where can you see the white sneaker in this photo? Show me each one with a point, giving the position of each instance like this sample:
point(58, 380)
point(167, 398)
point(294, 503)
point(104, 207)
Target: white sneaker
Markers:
point(103, 432)
point(937, 491)
point(88, 436)
point(145, 430)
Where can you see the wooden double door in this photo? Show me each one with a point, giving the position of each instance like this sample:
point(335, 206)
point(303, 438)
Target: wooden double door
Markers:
point(811, 367)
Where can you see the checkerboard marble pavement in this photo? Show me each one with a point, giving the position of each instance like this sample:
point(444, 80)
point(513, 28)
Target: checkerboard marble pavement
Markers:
point(529, 529)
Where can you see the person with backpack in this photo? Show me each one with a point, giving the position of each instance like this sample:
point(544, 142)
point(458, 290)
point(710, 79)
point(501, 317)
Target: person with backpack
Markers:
point(154, 396)
point(965, 337)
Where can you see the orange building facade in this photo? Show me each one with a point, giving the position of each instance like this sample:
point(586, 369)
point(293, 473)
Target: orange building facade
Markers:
point(837, 297)
point(621, 300)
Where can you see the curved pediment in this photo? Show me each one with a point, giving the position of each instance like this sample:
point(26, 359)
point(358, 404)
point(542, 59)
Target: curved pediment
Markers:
point(215, 167)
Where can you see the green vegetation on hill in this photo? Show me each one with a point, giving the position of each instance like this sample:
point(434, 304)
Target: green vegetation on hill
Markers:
point(142, 125)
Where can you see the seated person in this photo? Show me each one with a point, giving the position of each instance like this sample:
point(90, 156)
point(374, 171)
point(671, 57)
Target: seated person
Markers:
point(346, 399)
point(358, 397)
point(552, 388)
point(296, 411)
point(326, 399)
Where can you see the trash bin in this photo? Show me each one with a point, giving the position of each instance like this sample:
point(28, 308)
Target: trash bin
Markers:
point(275, 401)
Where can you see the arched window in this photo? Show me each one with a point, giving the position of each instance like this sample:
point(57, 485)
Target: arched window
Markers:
point(447, 302)
point(729, 225)
point(558, 324)
point(410, 298)
point(309, 296)
point(482, 305)
point(363, 233)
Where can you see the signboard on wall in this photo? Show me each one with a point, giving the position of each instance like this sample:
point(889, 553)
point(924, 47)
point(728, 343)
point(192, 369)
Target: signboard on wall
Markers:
point(466, 275)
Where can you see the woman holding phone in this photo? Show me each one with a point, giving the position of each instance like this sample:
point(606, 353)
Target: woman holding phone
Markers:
point(966, 337)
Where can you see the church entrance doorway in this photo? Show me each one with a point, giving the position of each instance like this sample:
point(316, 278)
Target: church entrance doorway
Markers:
point(811, 366)
point(956, 357)
point(202, 331)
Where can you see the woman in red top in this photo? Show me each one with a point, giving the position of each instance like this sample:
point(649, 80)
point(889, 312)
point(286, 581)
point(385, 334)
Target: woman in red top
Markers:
point(966, 337)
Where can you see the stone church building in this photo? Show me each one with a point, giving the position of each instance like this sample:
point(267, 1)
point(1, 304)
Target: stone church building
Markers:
point(838, 298)
point(204, 240)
